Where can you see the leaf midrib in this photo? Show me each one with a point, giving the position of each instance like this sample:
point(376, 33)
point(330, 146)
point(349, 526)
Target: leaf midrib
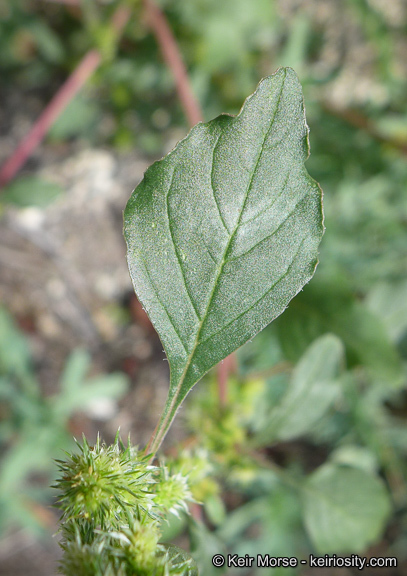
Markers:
point(222, 264)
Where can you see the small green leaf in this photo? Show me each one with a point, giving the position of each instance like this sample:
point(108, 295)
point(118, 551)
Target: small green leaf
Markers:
point(223, 232)
point(312, 390)
point(75, 371)
point(356, 457)
point(14, 349)
point(49, 44)
point(111, 386)
point(204, 546)
point(78, 391)
point(324, 306)
point(345, 509)
point(79, 118)
point(388, 301)
point(31, 191)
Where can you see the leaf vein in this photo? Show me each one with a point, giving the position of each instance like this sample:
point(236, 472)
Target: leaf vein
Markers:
point(212, 184)
point(222, 264)
point(270, 205)
point(305, 197)
point(259, 299)
point(174, 402)
point(175, 247)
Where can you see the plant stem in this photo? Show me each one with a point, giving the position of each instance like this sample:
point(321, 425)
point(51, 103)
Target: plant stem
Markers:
point(224, 369)
point(173, 59)
point(150, 448)
point(160, 432)
point(59, 102)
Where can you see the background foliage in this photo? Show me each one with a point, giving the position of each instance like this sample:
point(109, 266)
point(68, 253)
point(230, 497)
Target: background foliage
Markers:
point(308, 413)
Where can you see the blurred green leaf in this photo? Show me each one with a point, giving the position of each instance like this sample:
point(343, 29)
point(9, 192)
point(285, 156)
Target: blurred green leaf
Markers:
point(312, 390)
point(355, 457)
point(112, 386)
point(30, 191)
point(204, 545)
point(75, 371)
point(32, 453)
point(78, 392)
point(215, 509)
point(49, 44)
point(345, 509)
point(295, 50)
point(389, 302)
point(172, 526)
point(393, 126)
point(240, 519)
point(79, 118)
point(322, 308)
point(275, 519)
point(15, 355)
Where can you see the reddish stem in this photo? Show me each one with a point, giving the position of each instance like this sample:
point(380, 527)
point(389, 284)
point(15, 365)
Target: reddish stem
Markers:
point(173, 59)
point(196, 511)
point(59, 102)
point(226, 367)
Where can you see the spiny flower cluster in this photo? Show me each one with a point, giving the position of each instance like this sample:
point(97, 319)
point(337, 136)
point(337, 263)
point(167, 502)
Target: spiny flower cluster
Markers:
point(100, 482)
point(172, 492)
point(113, 502)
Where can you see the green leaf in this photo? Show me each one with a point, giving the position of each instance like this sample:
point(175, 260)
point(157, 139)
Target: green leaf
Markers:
point(324, 306)
point(31, 191)
point(79, 118)
point(112, 386)
point(75, 371)
point(345, 509)
point(223, 232)
point(204, 546)
point(356, 457)
point(312, 390)
point(49, 44)
point(274, 520)
point(79, 392)
point(388, 301)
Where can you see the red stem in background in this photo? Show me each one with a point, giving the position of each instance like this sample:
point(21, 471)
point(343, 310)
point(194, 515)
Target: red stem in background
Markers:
point(196, 511)
point(226, 367)
point(173, 59)
point(59, 102)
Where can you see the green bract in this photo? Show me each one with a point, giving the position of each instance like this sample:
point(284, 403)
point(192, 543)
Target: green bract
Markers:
point(224, 231)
